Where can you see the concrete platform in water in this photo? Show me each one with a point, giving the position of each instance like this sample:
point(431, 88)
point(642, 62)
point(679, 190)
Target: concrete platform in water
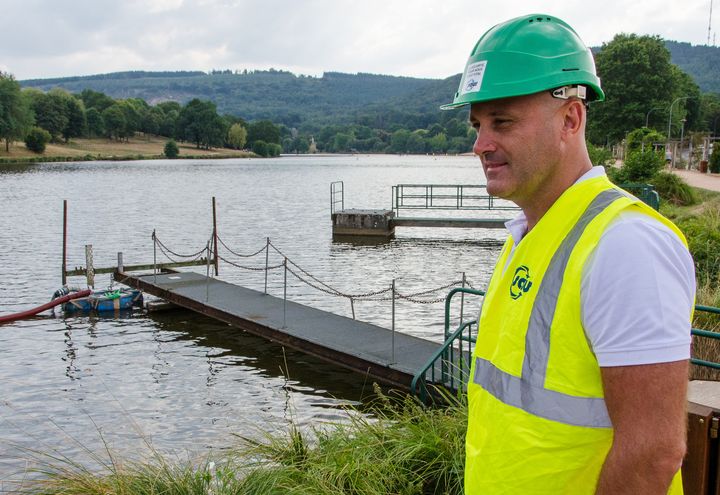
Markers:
point(362, 347)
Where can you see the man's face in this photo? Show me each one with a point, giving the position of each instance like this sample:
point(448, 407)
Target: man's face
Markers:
point(518, 142)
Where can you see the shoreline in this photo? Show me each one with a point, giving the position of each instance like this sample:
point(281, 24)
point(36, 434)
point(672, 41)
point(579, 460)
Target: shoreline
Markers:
point(101, 149)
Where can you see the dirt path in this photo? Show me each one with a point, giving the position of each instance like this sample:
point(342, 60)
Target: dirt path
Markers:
point(696, 179)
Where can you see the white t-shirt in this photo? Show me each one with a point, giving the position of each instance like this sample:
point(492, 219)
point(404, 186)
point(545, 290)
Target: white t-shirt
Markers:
point(638, 289)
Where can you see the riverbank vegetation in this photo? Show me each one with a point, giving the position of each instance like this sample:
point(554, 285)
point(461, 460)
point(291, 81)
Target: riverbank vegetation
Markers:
point(397, 446)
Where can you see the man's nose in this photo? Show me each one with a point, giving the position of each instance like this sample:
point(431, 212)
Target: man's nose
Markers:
point(483, 143)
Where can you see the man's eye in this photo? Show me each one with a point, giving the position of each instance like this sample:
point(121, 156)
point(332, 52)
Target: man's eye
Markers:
point(502, 122)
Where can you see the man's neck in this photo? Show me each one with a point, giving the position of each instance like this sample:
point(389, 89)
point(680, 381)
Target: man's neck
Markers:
point(536, 209)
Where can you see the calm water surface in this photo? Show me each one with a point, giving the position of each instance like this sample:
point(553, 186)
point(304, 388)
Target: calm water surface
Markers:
point(179, 381)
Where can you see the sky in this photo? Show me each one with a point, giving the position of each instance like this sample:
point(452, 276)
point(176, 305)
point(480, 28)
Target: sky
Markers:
point(418, 38)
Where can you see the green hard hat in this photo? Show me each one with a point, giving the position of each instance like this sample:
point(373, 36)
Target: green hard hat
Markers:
point(523, 56)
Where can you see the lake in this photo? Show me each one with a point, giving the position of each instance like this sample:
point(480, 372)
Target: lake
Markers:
point(178, 381)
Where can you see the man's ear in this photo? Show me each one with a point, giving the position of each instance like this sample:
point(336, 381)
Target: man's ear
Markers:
point(573, 117)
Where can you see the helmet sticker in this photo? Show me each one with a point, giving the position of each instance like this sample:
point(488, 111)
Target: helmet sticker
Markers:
point(472, 81)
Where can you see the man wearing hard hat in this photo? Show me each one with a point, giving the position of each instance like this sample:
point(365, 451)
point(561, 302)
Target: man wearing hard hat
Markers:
point(579, 375)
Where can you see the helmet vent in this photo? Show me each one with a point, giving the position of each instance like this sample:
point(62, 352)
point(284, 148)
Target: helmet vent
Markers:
point(570, 70)
point(539, 19)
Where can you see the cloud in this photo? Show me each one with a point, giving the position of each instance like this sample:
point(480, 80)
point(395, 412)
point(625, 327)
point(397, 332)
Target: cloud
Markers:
point(46, 38)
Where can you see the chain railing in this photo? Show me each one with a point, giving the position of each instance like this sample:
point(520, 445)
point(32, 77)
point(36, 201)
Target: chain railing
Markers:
point(387, 294)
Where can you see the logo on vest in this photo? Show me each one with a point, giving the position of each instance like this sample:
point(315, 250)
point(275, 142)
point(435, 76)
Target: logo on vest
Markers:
point(521, 282)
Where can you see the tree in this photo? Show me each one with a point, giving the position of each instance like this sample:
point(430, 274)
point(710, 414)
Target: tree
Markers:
point(96, 100)
point(237, 136)
point(399, 141)
point(51, 111)
point(171, 149)
point(15, 114)
point(95, 122)
point(438, 143)
point(36, 139)
point(76, 118)
point(643, 138)
point(115, 123)
point(260, 147)
point(200, 123)
point(636, 75)
point(265, 131)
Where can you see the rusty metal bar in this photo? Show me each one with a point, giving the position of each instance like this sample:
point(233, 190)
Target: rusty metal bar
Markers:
point(64, 249)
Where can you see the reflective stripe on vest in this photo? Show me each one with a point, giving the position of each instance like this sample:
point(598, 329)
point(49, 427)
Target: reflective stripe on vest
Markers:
point(528, 392)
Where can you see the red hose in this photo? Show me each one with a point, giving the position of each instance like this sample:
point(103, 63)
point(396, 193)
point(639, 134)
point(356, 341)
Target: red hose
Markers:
point(39, 309)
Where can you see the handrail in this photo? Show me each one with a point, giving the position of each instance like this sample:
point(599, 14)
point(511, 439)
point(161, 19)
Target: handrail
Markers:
point(446, 353)
point(446, 197)
point(337, 188)
point(430, 363)
point(699, 332)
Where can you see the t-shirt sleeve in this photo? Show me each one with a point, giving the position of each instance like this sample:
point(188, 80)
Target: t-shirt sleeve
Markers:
point(638, 291)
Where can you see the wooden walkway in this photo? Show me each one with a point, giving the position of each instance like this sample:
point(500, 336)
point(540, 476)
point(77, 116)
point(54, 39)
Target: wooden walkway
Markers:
point(360, 346)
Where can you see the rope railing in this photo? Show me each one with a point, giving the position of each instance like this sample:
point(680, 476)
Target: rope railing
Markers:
point(387, 294)
point(308, 278)
point(262, 249)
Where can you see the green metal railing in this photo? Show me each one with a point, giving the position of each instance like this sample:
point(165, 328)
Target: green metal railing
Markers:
point(708, 334)
point(450, 366)
point(453, 360)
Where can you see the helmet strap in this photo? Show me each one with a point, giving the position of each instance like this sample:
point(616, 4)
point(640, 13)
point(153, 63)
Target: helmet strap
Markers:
point(566, 92)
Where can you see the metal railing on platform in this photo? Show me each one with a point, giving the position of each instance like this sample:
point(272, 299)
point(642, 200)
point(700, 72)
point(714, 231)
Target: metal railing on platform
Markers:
point(337, 196)
point(446, 197)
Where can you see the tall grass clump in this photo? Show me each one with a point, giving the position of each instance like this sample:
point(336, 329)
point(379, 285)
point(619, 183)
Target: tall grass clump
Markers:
point(403, 448)
point(702, 230)
point(674, 189)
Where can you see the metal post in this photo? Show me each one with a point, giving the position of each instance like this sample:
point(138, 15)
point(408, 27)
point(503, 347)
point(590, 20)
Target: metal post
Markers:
point(154, 257)
point(393, 321)
point(352, 307)
point(285, 294)
point(267, 256)
point(89, 266)
point(207, 272)
point(64, 251)
point(462, 300)
point(215, 237)
point(120, 265)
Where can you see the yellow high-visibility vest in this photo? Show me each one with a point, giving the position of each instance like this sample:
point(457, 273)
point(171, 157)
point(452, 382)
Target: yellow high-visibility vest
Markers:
point(537, 419)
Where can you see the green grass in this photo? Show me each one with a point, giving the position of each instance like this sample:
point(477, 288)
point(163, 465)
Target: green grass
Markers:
point(399, 447)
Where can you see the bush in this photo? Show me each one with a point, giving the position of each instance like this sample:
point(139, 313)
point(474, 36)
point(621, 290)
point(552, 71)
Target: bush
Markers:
point(703, 235)
point(261, 148)
point(640, 167)
point(674, 189)
point(715, 160)
point(274, 149)
point(37, 139)
point(171, 149)
point(643, 136)
point(599, 155)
